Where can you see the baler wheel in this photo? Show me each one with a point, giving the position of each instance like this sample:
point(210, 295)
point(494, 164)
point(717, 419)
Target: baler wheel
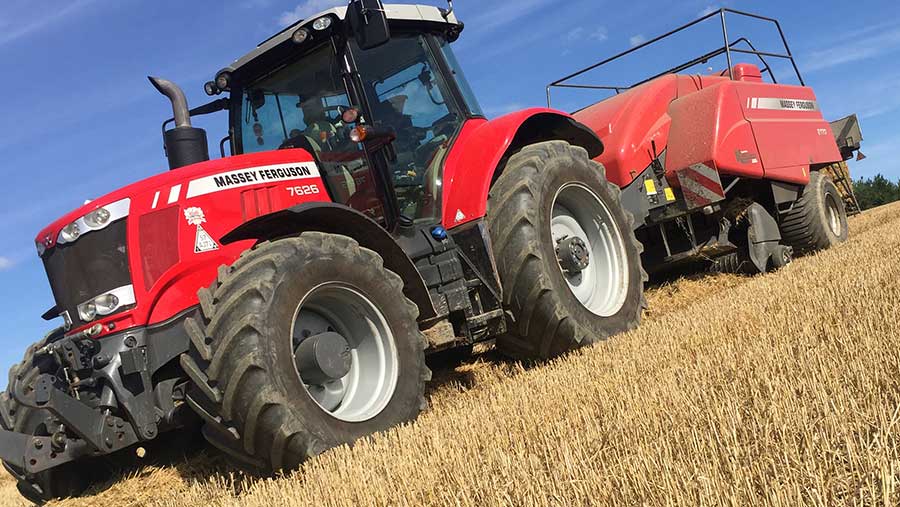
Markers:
point(566, 252)
point(818, 219)
point(306, 343)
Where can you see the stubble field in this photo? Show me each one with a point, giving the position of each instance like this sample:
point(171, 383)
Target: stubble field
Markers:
point(781, 389)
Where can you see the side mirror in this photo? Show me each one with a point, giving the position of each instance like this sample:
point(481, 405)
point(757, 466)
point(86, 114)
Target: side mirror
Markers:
point(369, 23)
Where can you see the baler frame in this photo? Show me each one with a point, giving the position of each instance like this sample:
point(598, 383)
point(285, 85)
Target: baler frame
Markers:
point(727, 49)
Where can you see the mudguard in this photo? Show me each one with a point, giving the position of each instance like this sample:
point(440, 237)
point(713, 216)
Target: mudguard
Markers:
point(482, 146)
point(336, 218)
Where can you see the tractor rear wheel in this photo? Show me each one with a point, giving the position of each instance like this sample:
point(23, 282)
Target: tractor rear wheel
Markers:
point(566, 252)
point(818, 219)
point(306, 343)
point(64, 481)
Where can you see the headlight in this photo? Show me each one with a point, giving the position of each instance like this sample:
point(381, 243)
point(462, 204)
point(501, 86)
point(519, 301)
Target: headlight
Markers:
point(70, 233)
point(87, 311)
point(223, 80)
point(94, 221)
point(322, 23)
point(300, 36)
point(97, 218)
point(106, 304)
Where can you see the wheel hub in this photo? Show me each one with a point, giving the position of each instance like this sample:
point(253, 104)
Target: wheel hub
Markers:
point(590, 249)
point(573, 255)
point(323, 358)
point(344, 352)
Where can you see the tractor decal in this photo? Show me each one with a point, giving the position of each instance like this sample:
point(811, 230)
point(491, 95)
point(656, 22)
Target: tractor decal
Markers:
point(251, 176)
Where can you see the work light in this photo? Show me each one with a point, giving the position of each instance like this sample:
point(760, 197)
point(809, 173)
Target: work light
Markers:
point(322, 23)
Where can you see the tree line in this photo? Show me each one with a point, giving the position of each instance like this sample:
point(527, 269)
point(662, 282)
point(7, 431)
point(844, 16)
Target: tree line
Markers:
point(875, 191)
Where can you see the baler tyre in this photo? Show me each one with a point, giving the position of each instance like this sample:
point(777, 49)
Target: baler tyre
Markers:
point(549, 194)
point(65, 481)
point(255, 316)
point(818, 219)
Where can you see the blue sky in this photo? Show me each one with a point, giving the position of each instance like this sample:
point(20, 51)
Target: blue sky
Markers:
point(79, 118)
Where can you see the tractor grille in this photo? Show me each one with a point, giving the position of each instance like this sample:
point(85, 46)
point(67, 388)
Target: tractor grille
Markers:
point(91, 266)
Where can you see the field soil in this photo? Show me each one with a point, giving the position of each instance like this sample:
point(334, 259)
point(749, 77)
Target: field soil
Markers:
point(782, 389)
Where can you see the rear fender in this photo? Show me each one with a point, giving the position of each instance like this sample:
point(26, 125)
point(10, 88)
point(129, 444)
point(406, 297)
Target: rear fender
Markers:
point(335, 218)
point(482, 148)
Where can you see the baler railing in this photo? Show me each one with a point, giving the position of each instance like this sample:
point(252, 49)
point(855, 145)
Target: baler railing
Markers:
point(727, 49)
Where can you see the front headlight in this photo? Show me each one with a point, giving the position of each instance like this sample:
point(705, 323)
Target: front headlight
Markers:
point(87, 311)
point(70, 233)
point(106, 304)
point(94, 221)
point(97, 218)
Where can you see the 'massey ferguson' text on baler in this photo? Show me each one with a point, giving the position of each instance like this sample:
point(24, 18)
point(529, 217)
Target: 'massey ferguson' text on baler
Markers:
point(284, 298)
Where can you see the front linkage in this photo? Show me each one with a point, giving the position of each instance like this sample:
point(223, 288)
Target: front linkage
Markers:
point(76, 397)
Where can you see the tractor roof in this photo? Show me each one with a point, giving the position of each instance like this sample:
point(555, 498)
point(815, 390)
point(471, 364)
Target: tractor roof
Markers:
point(395, 12)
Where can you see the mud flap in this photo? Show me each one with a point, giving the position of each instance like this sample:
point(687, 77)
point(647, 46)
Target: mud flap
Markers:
point(763, 236)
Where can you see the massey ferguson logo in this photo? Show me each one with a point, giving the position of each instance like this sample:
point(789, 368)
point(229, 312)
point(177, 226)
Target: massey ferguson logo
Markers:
point(251, 176)
point(260, 175)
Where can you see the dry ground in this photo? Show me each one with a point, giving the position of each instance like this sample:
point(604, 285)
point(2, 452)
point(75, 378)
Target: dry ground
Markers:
point(781, 389)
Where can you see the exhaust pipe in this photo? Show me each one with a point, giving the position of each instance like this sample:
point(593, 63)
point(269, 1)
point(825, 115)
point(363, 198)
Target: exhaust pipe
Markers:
point(184, 144)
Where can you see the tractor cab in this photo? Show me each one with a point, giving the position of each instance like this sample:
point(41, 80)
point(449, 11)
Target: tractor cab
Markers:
point(378, 115)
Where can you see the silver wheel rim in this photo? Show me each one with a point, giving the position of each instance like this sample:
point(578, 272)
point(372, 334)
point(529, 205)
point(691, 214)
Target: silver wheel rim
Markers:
point(833, 213)
point(370, 384)
point(602, 286)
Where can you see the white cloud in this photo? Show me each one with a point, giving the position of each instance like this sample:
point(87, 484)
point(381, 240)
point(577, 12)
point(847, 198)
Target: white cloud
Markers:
point(857, 45)
point(502, 13)
point(575, 35)
point(709, 9)
point(600, 34)
point(636, 40)
point(6, 263)
point(30, 24)
point(579, 34)
point(306, 9)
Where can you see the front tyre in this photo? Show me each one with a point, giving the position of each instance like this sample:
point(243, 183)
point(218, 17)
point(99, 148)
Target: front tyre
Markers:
point(311, 344)
point(565, 250)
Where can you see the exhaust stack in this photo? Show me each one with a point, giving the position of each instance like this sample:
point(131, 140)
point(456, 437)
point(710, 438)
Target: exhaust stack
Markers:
point(184, 144)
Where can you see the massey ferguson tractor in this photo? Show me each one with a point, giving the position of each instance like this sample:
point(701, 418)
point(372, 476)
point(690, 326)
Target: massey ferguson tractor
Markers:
point(285, 297)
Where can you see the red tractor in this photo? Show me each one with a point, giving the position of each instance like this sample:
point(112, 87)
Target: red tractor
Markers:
point(285, 297)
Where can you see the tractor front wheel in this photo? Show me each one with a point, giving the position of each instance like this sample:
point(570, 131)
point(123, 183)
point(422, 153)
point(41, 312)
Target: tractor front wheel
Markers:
point(306, 343)
point(566, 252)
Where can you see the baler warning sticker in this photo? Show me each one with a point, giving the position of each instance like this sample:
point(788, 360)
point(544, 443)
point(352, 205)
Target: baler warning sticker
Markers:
point(251, 176)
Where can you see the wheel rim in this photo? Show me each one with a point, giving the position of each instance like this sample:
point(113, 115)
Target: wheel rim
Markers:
point(834, 214)
point(602, 285)
point(370, 383)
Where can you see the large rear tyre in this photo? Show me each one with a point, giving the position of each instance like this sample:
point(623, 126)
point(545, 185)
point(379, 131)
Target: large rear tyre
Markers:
point(307, 343)
point(61, 482)
point(565, 250)
point(818, 219)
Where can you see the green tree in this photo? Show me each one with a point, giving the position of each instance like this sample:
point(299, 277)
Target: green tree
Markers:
point(872, 192)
